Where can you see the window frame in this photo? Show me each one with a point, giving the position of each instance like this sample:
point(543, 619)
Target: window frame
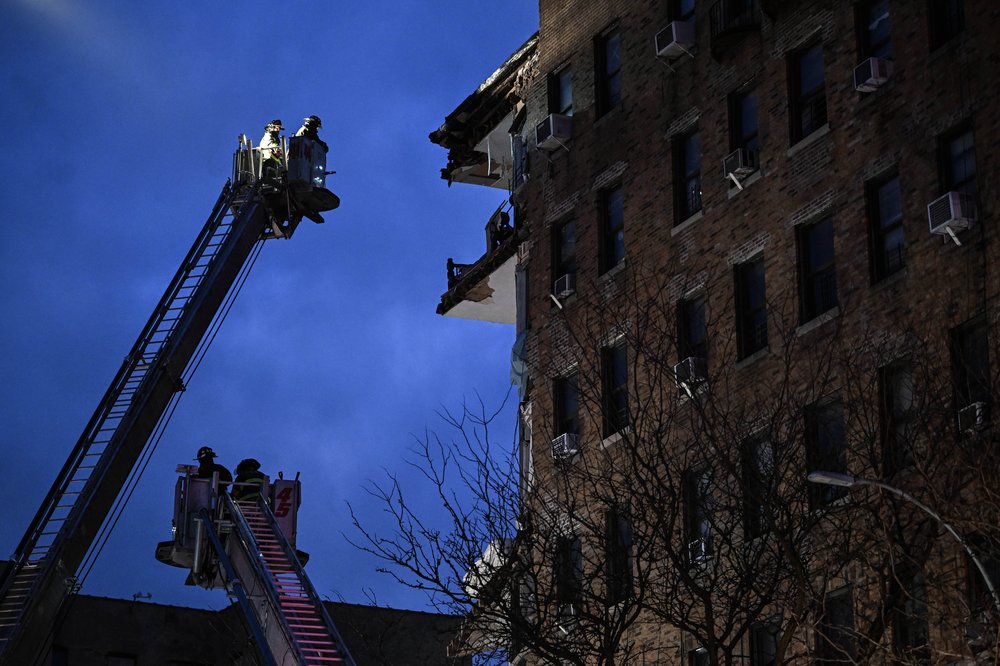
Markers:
point(612, 224)
point(815, 281)
point(566, 391)
point(867, 48)
point(830, 638)
point(826, 449)
point(687, 203)
point(757, 483)
point(769, 630)
point(556, 101)
point(881, 229)
point(692, 327)
point(677, 13)
point(910, 619)
point(563, 263)
point(608, 82)
point(614, 394)
point(947, 162)
point(751, 333)
point(946, 21)
point(802, 101)
point(970, 362)
point(896, 427)
point(697, 484)
point(568, 573)
point(618, 548)
point(739, 138)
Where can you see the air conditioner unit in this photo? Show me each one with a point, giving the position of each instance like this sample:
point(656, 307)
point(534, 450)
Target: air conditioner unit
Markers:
point(698, 551)
point(951, 212)
point(871, 74)
point(565, 285)
point(675, 39)
point(565, 446)
point(691, 371)
point(972, 418)
point(740, 163)
point(552, 132)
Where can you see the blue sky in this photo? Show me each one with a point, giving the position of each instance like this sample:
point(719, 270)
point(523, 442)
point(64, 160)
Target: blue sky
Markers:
point(121, 120)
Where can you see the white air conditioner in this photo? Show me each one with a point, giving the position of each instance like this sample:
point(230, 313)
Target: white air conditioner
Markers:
point(552, 132)
point(871, 74)
point(740, 163)
point(675, 40)
point(691, 371)
point(698, 551)
point(565, 445)
point(972, 418)
point(565, 285)
point(951, 212)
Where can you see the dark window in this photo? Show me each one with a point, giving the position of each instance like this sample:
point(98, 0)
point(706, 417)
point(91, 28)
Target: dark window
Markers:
point(682, 10)
point(885, 214)
point(567, 405)
point(692, 333)
point(563, 250)
point(743, 123)
point(835, 633)
point(618, 551)
point(808, 98)
point(758, 475)
point(568, 567)
point(698, 515)
point(687, 176)
point(958, 161)
point(817, 270)
point(614, 370)
point(947, 20)
point(121, 660)
point(698, 657)
point(826, 449)
point(970, 363)
point(612, 228)
point(609, 72)
point(763, 644)
point(60, 656)
point(911, 630)
point(896, 416)
point(988, 553)
point(873, 29)
point(561, 92)
point(751, 307)
point(519, 153)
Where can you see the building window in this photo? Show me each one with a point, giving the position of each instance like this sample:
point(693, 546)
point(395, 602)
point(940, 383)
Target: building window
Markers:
point(808, 95)
point(561, 92)
point(697, 486)
point(763, 644)
point(957, 151)
point(609, 72)
point(682, 10)
point(614, 371)
point(947, 20)
point(751, 307)
point(817, 269)
point(60, 656)
point(896, 416)
point(698, 657)
point(835, 633)
point(826, 449)
point(971, 363)
point(687, 176)
point(612, 228)
point(618, 553)
point(743, 124)
point(568, 568)
point(758, 475)
point(873, 29)
point(911, 630)
point(980, 597)
point(563, 254)
point(567, 405)
point(692, 329)
point(885, 216)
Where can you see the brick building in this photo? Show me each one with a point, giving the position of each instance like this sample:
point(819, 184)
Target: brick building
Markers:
point(745, 241)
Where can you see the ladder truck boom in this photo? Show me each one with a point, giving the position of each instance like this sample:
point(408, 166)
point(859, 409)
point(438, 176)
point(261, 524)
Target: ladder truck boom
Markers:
point(45, 567)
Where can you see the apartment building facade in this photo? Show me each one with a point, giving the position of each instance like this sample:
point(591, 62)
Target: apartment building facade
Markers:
point(746, 240)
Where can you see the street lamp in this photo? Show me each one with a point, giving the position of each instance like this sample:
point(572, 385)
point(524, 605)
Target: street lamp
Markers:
point(848, 481)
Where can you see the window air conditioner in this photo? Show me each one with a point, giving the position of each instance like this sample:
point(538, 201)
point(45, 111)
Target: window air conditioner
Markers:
point(565, 285)
point(698, 552)
point(552, 132)
point(691, 371)
point(565, 446)
point(871, 74)
point(740, 163)
point(972, 417)
point(951, 212)
point(675, 40)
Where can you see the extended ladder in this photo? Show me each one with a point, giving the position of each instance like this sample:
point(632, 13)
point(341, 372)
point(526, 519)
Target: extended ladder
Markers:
point(48, 559)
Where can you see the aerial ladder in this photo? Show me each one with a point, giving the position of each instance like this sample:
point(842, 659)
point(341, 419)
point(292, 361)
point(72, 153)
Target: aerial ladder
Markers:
point(46, 566)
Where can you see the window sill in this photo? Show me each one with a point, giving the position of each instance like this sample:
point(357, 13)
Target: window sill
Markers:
point(807, 141)
point(889, 281)
point(683, 226)
point(613, 271)
point(563, 302)
point(817, 321)
point(614, 438)
point(746, 182)
point(752, 358)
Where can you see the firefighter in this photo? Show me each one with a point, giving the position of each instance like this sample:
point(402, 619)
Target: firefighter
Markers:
point(248, 472)
point(310, 130)
point(270, 149)
point(207, 466)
